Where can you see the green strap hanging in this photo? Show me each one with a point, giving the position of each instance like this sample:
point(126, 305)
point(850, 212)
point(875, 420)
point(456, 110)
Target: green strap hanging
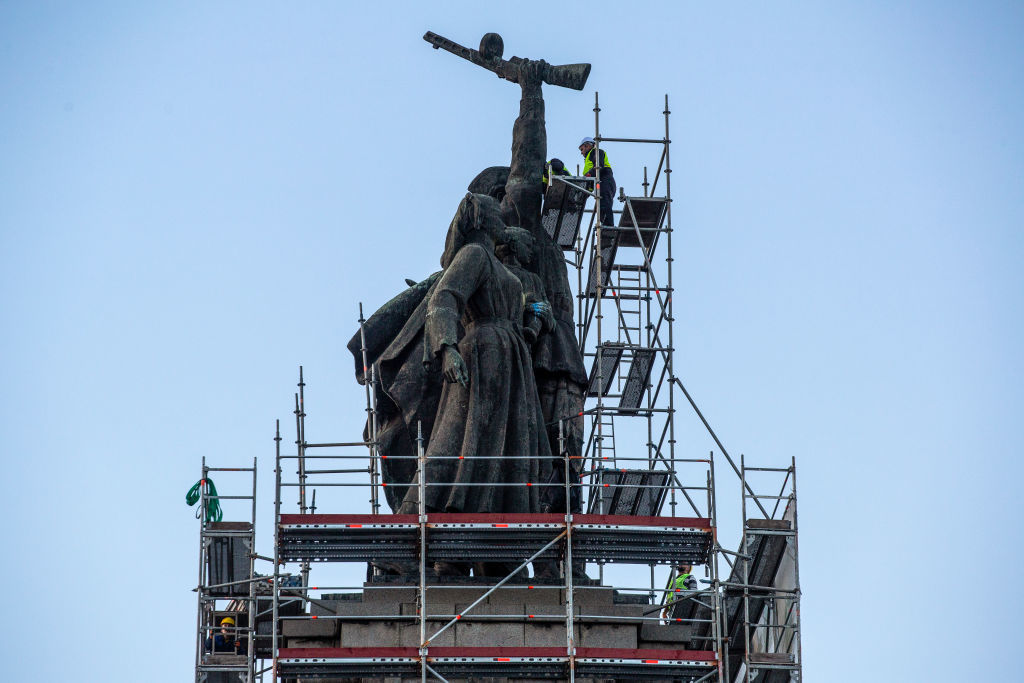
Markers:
point(213, 511)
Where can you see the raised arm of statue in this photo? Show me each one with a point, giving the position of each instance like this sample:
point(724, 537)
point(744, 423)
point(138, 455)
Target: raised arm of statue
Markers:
point(524, 191)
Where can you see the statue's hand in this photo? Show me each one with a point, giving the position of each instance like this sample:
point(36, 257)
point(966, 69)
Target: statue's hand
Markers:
point(454, 367)
point(542, 309)
point(532, 72)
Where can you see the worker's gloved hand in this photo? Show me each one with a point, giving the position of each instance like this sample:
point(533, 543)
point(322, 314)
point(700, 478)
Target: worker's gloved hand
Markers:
point(454, 367)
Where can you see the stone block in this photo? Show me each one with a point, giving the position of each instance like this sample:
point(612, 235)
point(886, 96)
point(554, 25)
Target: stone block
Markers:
point(455, 594)
point(334, 603)
point(367, 609)
point(544, 635)
point(679, 634)
point(509, 608)
point(369, 634)
point(489, 634)
point(592, 597)
point(517, 609)
point(433, 609)
point(311, 642)
point(373, 593)
point(310, 628)
point(608, 635)
point(616, 613)
point(409, 635)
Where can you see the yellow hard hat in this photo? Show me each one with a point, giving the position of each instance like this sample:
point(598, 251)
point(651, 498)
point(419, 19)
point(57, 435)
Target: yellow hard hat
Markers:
point(227, 620)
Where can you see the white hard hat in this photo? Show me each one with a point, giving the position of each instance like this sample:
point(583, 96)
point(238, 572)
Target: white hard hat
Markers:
point(585, 141)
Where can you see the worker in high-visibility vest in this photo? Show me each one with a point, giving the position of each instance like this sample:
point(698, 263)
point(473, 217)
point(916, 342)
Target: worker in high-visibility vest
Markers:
point(594, 159)
point(684, 581)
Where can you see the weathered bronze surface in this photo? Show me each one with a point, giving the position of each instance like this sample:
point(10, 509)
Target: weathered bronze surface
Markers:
point(483, 354)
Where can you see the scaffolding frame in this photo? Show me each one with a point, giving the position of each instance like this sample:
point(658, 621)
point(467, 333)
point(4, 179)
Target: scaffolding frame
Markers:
point(632, 357)
point(771, 612)
point(210, 591)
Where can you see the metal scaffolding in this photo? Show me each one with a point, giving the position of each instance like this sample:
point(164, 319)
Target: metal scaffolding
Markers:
point(226, 587)
point(770, 575)
point(646, 504)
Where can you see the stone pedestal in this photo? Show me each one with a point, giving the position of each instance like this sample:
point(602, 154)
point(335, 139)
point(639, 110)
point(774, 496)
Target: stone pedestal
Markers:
point(386, 616)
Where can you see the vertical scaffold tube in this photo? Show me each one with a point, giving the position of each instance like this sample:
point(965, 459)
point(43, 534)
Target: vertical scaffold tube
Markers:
point(421, 484)
point(668, 306)
point(746, 576)
point(567, 570)
point(369, 377)
point(719, 626)
point(798, 631)
point(276, 593)
point(251, 650)
point(300, 440)
point(202, 561)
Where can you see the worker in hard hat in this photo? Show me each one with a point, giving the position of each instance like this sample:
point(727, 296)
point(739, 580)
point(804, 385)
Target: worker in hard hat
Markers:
point(227, 640)
point(594, 159)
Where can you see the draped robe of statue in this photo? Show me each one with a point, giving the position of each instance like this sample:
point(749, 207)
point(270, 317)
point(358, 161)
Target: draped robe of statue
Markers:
point(407, 390)
point(488, 440)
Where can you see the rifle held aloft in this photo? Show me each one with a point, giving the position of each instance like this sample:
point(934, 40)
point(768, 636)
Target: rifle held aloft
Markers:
point(489, 57)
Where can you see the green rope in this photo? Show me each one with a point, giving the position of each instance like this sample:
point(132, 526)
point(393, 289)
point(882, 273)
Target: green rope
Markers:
point(213, 511)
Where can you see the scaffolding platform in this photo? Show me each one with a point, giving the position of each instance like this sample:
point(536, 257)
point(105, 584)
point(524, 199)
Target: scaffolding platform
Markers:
point(649, 214)
point(609, 250)
point(602, 375)
point(563, 211)
point(495, 537)
point(636, 380)
point(550, 663)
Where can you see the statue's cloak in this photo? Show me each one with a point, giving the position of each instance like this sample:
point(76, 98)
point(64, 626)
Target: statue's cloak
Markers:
point(407, 391)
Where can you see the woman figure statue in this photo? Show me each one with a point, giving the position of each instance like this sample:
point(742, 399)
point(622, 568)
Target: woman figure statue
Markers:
point(489, 428)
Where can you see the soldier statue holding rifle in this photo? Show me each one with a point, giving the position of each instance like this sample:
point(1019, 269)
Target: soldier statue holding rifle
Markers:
point(394, 337)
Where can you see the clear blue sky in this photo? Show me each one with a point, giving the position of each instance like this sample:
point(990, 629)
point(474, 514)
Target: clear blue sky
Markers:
point(195, 196)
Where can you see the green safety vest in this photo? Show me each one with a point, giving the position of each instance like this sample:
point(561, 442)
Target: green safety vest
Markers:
point(681, 581)
point(588, 161)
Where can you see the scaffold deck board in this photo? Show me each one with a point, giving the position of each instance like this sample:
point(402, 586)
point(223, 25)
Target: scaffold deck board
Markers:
point(609, 249)
point(601, 377)
point(514, 662)
point(563, 213)
point(496, 537)
point(637, 379)
point(650, 215)
point(629, 491)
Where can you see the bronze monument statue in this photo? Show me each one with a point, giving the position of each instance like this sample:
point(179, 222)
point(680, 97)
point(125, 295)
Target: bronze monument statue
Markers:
point(487, 374)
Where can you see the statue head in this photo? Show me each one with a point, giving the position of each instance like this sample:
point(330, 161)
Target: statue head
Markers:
point(517, 242)
point(491, 181)
point(477, 214)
